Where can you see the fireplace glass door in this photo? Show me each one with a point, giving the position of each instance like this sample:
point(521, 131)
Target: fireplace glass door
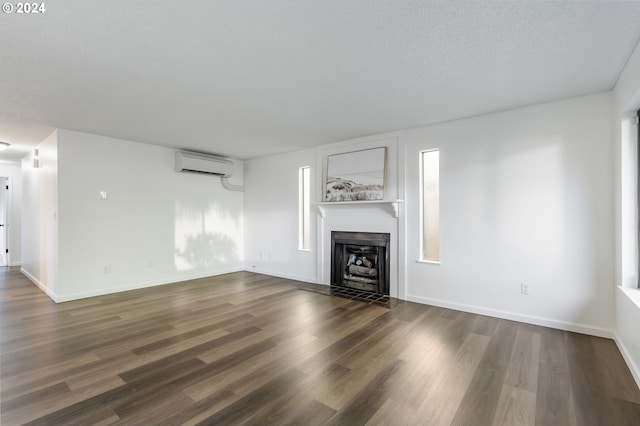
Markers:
point(360, 260)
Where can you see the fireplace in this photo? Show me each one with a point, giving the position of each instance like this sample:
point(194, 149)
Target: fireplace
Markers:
point(360, 260)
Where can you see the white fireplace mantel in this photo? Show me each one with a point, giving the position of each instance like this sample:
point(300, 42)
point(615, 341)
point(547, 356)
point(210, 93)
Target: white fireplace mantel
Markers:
point(392, 206)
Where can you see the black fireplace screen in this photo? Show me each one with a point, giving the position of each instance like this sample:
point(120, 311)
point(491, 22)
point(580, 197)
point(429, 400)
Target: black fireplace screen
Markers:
point(360, 260)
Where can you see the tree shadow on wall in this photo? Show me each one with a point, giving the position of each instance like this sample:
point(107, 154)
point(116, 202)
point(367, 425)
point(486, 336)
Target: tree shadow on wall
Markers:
point(208, 249)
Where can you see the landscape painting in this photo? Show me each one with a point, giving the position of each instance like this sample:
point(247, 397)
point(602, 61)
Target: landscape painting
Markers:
point(356, 176)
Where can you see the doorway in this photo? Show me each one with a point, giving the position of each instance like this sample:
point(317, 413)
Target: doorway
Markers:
point(4, 255)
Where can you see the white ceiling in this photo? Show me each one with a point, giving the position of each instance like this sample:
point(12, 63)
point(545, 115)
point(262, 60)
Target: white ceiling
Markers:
point(246, 78)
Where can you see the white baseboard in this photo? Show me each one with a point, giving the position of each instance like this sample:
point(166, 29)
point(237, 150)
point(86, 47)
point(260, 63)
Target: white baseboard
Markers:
point(15, 264)
point(633, 367)
point(131, 286)
point(311, 280)
point(40, 285)
point(145, 284)
point(513, 316)
point(529, 319)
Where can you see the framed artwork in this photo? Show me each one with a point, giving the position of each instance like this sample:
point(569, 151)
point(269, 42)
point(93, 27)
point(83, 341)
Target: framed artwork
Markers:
point(356, 176)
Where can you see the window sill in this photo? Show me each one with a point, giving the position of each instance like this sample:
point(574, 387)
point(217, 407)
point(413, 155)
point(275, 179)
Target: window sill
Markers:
point(305, 250)
point(632, 293)
point(428, 262)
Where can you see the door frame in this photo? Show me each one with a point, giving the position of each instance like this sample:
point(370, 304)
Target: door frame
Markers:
point(7, 217)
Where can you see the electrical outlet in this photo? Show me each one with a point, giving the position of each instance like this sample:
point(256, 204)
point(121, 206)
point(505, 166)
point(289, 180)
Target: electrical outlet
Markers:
point(150, 264)
point(524, 289)
point(106, 269)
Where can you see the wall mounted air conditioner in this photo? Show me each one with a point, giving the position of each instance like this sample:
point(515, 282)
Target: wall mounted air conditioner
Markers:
point(191, 162)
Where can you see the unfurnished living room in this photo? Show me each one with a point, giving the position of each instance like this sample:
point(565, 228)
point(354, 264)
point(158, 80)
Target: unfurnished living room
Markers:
point(277, 212)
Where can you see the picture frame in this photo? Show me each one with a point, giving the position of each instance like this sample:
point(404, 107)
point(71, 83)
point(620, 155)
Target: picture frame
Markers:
point(356, 176)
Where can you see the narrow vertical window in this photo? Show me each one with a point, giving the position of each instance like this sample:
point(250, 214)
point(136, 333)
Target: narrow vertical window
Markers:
point(304, 214)
point(430, 187)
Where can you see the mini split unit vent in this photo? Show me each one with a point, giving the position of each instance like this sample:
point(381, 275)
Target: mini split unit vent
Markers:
point(190, 162)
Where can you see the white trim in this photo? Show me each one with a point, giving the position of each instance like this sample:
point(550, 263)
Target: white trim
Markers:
point(128, 287)
point(282, 275)
point(635, 371)
point(632, 293)
point(146, 284)
point(16, 264)
point(8, 221)
point(429, 262)
point(40, 285)
point(513, 316)
point(392, 206)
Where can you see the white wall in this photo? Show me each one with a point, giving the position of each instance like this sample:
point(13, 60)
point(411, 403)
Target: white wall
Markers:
point(271, 216)
point(14, 213)
point(626, 103)
point(39, 217)
point(156, 226)
point(525, 198)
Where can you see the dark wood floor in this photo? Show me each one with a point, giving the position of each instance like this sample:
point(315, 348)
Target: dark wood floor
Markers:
point(247, 348)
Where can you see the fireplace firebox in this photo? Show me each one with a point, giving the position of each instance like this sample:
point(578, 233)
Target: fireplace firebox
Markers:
point(360, 260)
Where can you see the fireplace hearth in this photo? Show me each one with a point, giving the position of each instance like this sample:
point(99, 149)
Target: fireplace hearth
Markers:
point(360, 260)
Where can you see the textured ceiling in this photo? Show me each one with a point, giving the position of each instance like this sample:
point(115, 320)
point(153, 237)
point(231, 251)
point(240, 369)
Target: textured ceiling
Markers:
point(246, 78)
